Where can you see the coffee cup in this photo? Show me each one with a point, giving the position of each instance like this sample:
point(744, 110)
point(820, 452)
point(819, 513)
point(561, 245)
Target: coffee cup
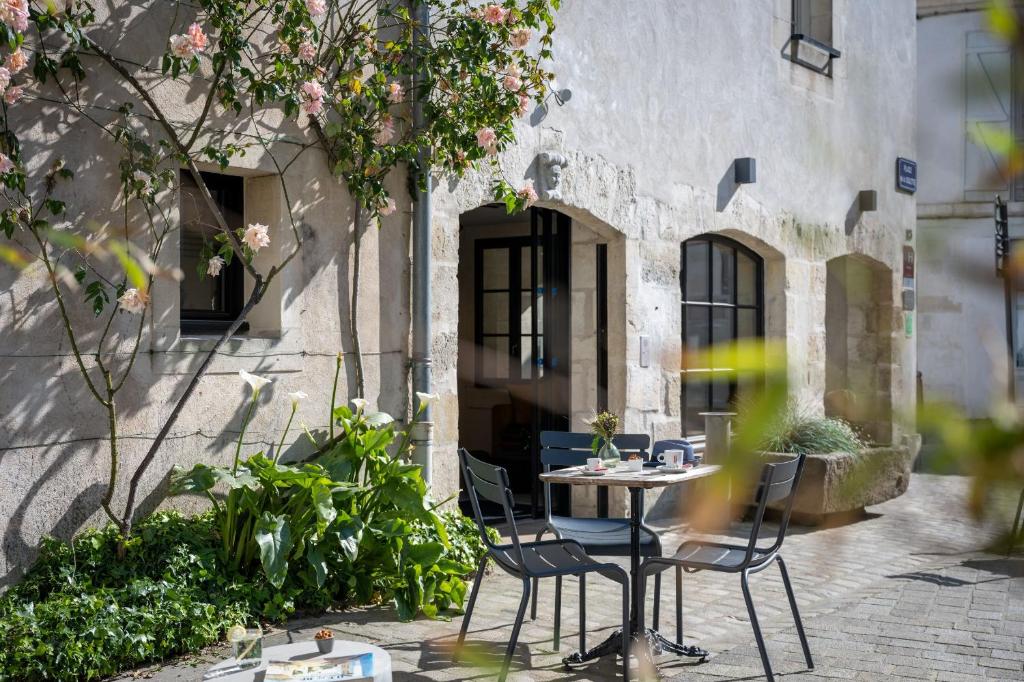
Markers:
point(672, 458)
point(593, 463)
point(634, 465)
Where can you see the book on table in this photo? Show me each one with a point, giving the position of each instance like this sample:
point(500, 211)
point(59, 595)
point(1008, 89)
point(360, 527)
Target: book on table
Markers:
point(354, 668)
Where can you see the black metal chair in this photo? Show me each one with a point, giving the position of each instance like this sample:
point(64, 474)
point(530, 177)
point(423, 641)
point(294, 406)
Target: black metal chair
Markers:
point(599, 537)
point(778, 483)
point(529, 560)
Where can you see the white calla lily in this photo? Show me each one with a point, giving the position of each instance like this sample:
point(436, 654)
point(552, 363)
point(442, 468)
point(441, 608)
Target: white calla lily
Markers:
point(255, 382)
point(378, 419)
point(360, 404)
point(297, 396)
point(425, 399)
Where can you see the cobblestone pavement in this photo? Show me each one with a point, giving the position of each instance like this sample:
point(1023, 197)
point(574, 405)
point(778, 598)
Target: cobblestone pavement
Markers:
point(904, 593)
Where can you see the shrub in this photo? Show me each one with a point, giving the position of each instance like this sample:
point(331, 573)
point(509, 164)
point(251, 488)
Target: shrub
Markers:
point(84, 613)
point(797, 431)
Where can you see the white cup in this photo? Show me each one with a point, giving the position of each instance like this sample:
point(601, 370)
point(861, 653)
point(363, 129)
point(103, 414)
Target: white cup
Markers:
point(672, 458)
point(634, 465)
point(593, 463)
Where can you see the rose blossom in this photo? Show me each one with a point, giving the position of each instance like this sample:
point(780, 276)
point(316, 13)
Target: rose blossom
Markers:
point(143, 177)
point(524, 104)
point(16, 61)
point(312, 96)
point(134, 301)
point(528, 192)
point(512, 83)
point(487, 140)
point(385, 130)
point(181, 46)
point(307, 52)
point(5, 77)
point(6, 165)
point(520, 37)
point(316, 7)
point(214, 266)
point(197, 37)
point(395, 92)
point(388, 207)
point(15, 13)
point(14, 93)
point(256, 236)
point(494, 14)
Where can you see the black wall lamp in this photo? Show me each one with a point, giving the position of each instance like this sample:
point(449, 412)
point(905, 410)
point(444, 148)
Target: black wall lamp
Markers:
point(745, 171)
point(867, 200)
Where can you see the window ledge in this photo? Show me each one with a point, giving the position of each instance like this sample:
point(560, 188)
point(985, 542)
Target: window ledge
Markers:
point(812, 54)
point(177, 354)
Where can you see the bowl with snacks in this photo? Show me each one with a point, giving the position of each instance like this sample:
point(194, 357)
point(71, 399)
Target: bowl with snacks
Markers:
point(324, 641)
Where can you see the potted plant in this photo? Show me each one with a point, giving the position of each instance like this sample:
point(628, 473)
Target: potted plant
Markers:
point(604, 427)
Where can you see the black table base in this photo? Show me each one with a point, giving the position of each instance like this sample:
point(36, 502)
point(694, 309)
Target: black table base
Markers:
point(651, 643)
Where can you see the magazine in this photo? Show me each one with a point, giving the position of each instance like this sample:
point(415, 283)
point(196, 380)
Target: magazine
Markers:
point(354, 668)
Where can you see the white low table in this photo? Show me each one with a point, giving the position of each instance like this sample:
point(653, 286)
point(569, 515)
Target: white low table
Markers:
point(299, 651)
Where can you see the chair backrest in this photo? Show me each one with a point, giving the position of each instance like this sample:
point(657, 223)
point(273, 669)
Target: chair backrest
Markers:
point(568, 449)
point(489, 482)
point(778, 483)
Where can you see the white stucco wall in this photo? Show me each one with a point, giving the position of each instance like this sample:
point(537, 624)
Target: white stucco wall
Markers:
point(665, 94)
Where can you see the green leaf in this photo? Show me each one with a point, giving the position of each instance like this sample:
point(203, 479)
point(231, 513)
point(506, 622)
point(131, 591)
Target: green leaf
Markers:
point(425, 554)
point(274, 538)
point(316, 559)
point(199, 479)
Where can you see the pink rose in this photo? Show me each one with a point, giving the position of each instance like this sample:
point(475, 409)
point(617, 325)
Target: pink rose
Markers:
point(214, 266)
point(312, 94)
point(6, 165)
point(528, 193)
point(385, 130)
point(181, 46)
point(494, 14)
point(16, 61)
point(14, 93)
point(307, 51)
point(134, 301)
point(388, 207)
point(316, 7)
point(524, 104)
point(395, 92)
point(520, 37)
point(256, 236)
point(5, 77)
point(197, 37)
point(512, 83)
point(15, 14)
point(487, 140)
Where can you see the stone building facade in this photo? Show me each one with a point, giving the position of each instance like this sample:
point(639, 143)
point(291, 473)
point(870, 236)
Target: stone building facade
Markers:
point(964, 82)
point(636, 164)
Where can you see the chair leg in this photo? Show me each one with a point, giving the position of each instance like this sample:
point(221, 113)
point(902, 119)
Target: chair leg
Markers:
point(558, 611)
point(657, 600)
point(796, 613)
point(536, 583)
point(757, 628)
point(627, 639)
point(583, 612)
point(469, 608)
point(520, 615)
point(679, 605)
point(1016, 525)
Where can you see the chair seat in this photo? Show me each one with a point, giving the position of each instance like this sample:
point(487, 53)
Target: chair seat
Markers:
point(715, 557)
point(605, 537)
point(553, 557)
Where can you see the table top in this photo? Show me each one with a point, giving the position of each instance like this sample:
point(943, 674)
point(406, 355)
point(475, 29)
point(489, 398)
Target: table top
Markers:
point(305, 650)
point(648, 478)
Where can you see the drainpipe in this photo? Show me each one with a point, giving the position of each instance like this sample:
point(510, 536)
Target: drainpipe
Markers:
point(422, 436)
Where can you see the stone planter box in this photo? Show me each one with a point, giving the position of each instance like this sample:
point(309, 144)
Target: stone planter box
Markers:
point(843, 483)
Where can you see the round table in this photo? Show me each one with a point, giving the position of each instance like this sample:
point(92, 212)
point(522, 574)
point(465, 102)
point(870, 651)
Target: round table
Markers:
point(298, 651)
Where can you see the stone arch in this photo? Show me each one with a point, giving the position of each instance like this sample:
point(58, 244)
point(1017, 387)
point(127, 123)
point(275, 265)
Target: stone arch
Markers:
point(859, 364)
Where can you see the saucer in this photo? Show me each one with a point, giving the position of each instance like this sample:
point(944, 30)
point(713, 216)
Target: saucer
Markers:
point(599, 472)
point(674, 470)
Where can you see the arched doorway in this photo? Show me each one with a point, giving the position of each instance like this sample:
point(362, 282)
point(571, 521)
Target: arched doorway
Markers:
point(722, 292)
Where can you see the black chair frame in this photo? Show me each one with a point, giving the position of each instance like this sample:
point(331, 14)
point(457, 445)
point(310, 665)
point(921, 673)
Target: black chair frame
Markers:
point(778, 482)
point(530, 561)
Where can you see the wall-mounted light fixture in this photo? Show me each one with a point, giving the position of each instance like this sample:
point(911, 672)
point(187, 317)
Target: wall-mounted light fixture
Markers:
point(867, 200)
point(745, 171)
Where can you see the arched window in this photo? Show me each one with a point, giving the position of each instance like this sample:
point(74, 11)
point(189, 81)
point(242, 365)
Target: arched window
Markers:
point(722, 286)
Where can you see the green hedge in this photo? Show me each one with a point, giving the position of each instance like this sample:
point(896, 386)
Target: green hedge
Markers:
point(84, 613)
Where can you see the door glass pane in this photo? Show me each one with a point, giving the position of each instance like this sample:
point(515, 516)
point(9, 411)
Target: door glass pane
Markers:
point(721, 394)
point(695, 269)
point(526, 357)
point(722, 331)
point(697, 333)
point(495, 275)
point(540, 357)
point(746, 286)
point(525, 275)
point(494, 360)
point(695, 395)
point(526, 312)
point(495, 313)
point(723, 261)
point(746, 323)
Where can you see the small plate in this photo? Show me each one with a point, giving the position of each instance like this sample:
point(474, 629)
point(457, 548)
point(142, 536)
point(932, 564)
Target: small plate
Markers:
point(674, 470)
point(600, 472)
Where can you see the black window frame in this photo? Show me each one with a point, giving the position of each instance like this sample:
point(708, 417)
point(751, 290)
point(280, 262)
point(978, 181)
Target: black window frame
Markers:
point(758, 306)
point(228, 192)
point(800, 34)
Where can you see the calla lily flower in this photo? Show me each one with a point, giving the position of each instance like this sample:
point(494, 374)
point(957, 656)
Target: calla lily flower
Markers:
point(255, 382)
point(425, 399)
point(378, 419)
point(297, 396)
point(360, 404)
